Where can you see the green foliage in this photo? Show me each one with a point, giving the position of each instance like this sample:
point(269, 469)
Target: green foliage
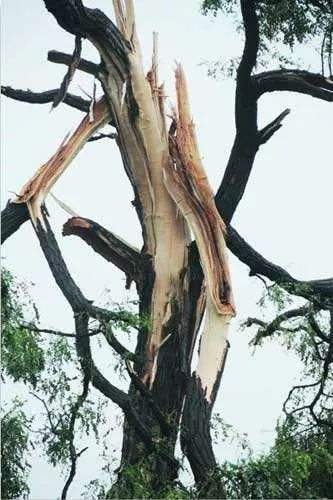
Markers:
point(289, 470)
point(282, 25)
point(137, 482)
point(286, 21)
point(22, 353)
point(14, 445)
point(275, 296)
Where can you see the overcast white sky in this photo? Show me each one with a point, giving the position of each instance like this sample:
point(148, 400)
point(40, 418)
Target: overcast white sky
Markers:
point(286, 213)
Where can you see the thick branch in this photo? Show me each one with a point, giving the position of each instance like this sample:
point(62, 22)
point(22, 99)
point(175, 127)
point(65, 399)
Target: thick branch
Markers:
point(45, 97)
point(93, 24)
point(80, 306)
point(245, 144)
point(84, 65)
point(12, 218)
point(294, 80)
point(106, 244)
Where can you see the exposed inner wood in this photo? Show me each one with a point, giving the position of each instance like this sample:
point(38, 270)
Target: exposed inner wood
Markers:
point(37, 188)
point(187, 183)
point(137, 107)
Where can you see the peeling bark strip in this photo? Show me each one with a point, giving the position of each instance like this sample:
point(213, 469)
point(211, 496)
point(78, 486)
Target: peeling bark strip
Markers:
point(36, 189)
point(187, 183)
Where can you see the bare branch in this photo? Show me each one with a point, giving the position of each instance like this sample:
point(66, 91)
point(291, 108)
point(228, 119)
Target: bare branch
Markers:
point(99, 136)
point(266, 133)
point(66, 59)
point(110, 247)
point(45, 97)
point(75, 61)
point(293, 80)
point(34, 328)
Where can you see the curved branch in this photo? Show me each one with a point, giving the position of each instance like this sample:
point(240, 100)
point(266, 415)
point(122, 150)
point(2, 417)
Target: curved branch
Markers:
point(106, 244)
point(245, 144)
point(45, 97)
point(293, 80)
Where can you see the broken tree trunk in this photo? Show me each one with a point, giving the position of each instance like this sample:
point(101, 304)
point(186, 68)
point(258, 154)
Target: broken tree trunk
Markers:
point(188, 184)
point(173, 199)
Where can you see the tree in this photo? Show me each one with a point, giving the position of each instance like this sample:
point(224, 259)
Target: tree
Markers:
point(177, 279)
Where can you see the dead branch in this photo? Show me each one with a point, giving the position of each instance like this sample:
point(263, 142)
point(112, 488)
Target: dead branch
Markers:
point(109, 246)
point(99, 136)
point(75, 61)
point(45, 97)
point(266, 133)
point(89, 67)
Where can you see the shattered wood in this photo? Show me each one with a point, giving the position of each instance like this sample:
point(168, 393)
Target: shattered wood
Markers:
point(36, 189)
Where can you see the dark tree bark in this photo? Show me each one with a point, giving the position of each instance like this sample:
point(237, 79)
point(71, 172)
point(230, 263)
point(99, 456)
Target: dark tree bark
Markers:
point(177, 279)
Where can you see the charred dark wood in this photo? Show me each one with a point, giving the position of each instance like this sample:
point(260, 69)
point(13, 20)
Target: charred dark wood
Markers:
point(12, 218)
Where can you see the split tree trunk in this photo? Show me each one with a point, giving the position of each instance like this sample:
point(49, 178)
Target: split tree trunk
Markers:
point(173, 199)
